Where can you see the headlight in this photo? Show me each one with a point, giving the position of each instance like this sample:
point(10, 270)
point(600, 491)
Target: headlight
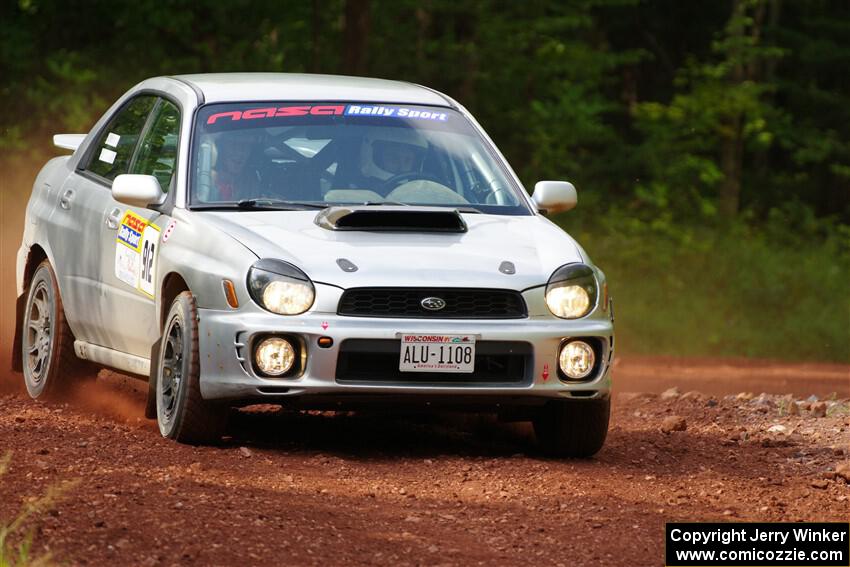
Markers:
point(280, 287)
point(571, 291)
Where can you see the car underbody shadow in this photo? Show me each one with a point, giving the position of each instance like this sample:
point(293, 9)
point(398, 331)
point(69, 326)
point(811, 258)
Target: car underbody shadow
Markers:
point(372, 433)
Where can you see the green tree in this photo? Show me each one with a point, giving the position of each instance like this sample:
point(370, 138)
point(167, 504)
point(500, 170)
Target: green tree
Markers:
point(695, 145)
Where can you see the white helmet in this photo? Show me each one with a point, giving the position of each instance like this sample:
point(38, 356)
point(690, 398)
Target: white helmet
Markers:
point(387, 152)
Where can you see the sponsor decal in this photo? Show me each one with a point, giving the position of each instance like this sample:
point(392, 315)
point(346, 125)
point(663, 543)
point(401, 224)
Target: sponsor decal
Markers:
point(130, 230)
point(127, 265)
point(129, 237)
point(396, 112)
point(330, 110)
point(136, 251)
point(168, 230)
point(276, 112)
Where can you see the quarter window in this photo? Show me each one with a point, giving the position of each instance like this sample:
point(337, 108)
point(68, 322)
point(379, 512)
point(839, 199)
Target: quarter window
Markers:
point(114, 150)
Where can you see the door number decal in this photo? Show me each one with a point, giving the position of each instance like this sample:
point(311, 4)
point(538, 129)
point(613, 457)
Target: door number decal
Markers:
point(136, 252)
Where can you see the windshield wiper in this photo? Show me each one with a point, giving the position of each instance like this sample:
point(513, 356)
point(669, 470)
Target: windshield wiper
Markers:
point(278, 204)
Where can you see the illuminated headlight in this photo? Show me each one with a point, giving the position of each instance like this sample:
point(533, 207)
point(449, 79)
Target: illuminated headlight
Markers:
point(274, 356)
point(571, 291)
point(280, 287)
point(577, 359)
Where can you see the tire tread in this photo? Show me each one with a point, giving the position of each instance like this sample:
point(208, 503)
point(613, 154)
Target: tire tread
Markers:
point(200, 422)
point(573, 428)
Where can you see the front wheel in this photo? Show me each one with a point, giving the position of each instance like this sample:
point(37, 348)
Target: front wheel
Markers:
point(573, 428)
point(181, 412)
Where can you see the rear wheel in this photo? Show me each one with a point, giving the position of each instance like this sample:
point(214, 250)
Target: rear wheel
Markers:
point(573, 428)
point(181, 412)
point(50, 365)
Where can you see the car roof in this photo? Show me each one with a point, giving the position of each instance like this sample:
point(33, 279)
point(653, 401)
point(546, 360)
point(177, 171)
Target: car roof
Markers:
point(240, 87)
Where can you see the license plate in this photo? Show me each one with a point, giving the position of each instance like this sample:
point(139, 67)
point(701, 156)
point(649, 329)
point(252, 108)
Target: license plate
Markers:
point(437, 353)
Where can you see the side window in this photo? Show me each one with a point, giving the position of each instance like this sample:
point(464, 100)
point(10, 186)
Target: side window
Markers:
point(114, 150)
point(157, 154)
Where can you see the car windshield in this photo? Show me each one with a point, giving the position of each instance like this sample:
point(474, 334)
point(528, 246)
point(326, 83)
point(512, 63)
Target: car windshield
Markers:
point(283, 155)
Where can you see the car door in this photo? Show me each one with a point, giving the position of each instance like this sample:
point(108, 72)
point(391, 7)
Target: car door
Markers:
point(131, 237)
point(75, 224)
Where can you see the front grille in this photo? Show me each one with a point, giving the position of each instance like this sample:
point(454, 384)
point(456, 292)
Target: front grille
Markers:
point(377, 361)
point(460, 303)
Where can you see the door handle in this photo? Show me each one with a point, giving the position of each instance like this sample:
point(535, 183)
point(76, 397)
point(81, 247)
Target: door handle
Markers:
point(65, 199)
point(113, 218)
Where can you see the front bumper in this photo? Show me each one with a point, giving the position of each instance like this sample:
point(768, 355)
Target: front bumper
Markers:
point(227, 373)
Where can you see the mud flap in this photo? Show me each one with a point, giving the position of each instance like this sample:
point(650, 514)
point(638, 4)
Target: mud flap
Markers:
point(17, 356)
point(150, 406)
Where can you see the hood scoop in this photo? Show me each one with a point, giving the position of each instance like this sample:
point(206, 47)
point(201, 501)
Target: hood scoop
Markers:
point(388, 218)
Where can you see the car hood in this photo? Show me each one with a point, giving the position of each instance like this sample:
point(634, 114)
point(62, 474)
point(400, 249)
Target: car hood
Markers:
point(533, 244)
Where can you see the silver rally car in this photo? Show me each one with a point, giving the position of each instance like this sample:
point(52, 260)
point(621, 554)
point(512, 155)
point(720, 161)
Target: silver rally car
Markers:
point(312, 241)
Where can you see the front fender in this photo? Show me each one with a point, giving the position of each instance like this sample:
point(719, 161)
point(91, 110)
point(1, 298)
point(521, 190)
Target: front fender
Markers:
point(203, 256)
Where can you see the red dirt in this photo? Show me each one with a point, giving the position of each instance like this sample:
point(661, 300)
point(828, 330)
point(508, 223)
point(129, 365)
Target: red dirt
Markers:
point(725, 376)
point(359, 489)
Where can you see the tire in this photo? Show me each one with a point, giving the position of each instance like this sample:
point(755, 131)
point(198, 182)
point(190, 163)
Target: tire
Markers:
point(50, 365)
point(181, 412)
point(573, 428)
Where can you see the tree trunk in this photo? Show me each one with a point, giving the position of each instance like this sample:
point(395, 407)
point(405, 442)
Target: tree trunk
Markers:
point(731, 158)
point(467, 32)
point(423, 22)
point(355, 39)
point(731, 141)
point(315, 37)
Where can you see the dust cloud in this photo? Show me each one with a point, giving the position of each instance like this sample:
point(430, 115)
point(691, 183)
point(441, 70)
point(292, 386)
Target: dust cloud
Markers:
point(15, 189)
point(111, 395)
point(114, 396)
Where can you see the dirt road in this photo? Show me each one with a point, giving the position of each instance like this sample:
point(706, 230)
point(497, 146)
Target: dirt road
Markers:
point(358, 489)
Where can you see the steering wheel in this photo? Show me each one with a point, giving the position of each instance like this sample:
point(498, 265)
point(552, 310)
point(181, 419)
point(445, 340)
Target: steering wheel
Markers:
point(396, 180)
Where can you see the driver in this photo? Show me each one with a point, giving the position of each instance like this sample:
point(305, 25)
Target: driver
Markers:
point(391, 152)
point(233, 178)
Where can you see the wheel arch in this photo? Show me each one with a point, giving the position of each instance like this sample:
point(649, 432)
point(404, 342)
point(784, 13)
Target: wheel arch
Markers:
point(35, 257)
point(173, 284)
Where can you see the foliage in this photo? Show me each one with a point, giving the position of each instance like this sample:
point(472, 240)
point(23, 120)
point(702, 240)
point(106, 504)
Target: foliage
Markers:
point(733, 290)
point(21, 555)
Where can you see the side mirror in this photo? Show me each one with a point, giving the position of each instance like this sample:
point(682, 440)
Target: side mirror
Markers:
point(137, 190)
point(554, 196)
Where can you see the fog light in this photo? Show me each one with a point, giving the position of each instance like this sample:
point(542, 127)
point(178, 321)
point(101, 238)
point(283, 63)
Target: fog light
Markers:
point(577, 359)
point(274, 356)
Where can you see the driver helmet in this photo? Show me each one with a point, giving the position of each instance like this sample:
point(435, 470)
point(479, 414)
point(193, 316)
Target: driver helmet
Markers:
point(234, 149)
point(387, 152)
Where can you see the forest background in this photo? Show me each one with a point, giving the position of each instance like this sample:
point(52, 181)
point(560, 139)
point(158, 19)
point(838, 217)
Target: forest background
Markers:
point(709, 140)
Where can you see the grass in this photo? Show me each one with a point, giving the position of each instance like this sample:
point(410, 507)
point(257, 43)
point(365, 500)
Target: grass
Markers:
point(20, 554)
point(737, 291)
